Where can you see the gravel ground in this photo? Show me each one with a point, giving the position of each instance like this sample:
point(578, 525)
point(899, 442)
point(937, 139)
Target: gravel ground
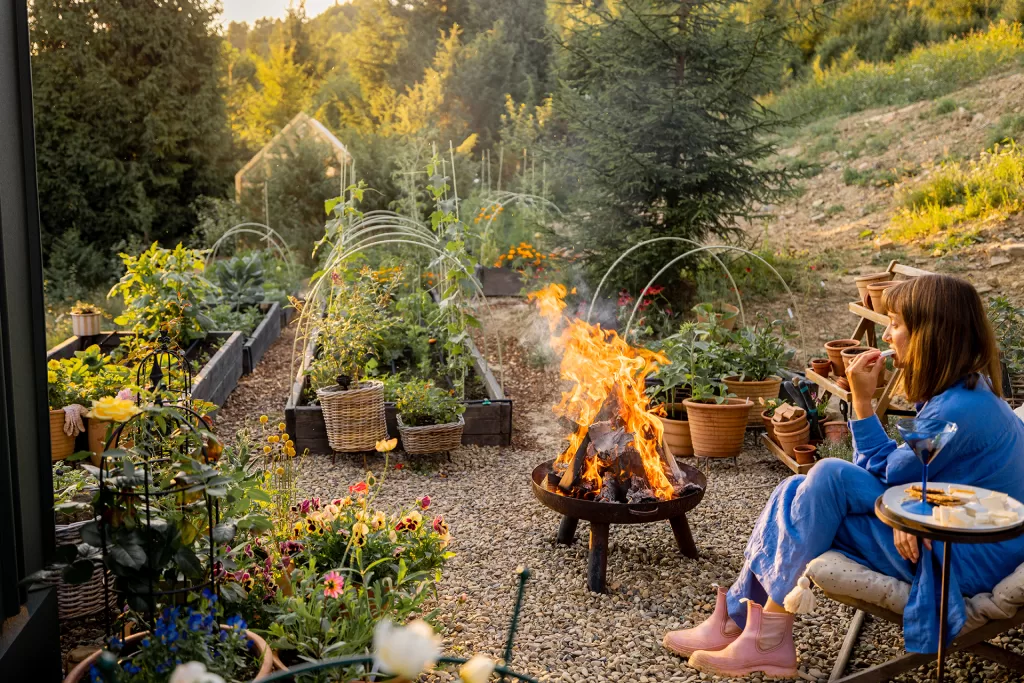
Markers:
point(567, 633)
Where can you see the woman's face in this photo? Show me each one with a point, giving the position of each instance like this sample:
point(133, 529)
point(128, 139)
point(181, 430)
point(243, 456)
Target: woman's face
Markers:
point(897, 336)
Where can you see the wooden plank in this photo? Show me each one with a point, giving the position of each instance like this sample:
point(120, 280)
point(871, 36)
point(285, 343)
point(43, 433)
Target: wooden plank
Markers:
point(219, 377)
point(783, 457)
point(865, 312)
point(909, 271)
point(493, 387)
point(265, 334)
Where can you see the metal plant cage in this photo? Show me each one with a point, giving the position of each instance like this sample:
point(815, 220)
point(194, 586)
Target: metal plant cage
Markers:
point(150, 445)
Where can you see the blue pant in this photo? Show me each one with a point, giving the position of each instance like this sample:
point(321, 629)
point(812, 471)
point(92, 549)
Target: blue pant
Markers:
point(830, 508)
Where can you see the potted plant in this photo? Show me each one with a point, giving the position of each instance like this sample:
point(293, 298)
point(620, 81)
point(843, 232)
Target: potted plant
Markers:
point(863, 281)
point(671, 388)
point(86, 319)
point(759, 354)
point(60, 392)
point(72, 491)
point(769, 406)
point(429, 418)
point(183, 635)
point(721, 314)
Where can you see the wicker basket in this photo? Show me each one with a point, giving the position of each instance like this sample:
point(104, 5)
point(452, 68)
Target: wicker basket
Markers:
point(354, 417)
point(766, 389)
point(717, 429)
point(431, 438)
point(82, 599)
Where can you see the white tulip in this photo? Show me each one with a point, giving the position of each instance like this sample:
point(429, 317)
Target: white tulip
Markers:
point(477, 670)
point(405, 651)
point(194, 672)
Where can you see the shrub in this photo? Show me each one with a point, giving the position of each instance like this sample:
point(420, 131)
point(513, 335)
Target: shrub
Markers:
point(422, 403)
point(957, 193)
point(925, 73)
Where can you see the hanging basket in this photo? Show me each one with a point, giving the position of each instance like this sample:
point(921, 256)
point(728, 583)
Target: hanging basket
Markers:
point(354, 417)
point(431, 438)
point(80, 599)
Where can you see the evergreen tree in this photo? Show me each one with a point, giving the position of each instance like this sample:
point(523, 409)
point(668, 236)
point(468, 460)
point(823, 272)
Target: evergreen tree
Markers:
point(663, 129)
point(130, 119)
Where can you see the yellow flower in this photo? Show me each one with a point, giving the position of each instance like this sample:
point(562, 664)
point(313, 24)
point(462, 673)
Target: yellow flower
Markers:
point(346, 501)
point(51, 376)
point(360, 529)
point(379, 520)
point(289, 443)
point(53, 365)
point(264, 419)
point(385, 445)
point(280, 471)
point(393, 536)
point(281, 426)
point(115, 409)
point(284, 437)
point(267, 449)
point(290, 452)
point(273, 438)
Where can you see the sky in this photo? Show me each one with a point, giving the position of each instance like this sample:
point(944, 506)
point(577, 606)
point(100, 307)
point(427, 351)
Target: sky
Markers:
point(251, 10)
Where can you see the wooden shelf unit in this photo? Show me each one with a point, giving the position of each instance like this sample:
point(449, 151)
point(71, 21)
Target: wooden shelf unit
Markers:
point(784, 457)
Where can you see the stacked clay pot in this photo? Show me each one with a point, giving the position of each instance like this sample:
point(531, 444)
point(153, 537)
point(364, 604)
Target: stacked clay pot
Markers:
point(834, 349)
point(791, 428)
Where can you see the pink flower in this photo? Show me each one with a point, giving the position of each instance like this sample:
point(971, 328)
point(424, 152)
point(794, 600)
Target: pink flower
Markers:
point(440, 526)
point(333, 583)
point(655, 291)
point(424, 502)
point(304, 507)
point(126, 394)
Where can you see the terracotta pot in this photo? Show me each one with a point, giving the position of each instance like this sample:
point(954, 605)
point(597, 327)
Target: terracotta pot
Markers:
point(677, 434)
point(849, 353)
point(97, 431)
point(875, 291)
point(766, 389)
point(61, 445)
point(836, 431)
point(793, 439)
point(769, 426)
point(86, 324)
point(804, 454)
point(728, 313)
point(834, 349)
point(822, 366)
point(863, 281)
point(790, 427)
point(717, 429)
point(259, 648)
point(843, 384)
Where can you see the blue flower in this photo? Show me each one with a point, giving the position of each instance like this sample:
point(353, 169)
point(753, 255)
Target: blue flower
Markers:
point(94, 675)
point(223, 636)
point(237, 623)
point(195, 621)
point(145, 642)
point(209, 595)
point(131, 668)
point(116, 643)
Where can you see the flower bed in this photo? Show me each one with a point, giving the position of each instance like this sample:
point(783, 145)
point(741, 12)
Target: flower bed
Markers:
point(214, 382)
point(488, 421)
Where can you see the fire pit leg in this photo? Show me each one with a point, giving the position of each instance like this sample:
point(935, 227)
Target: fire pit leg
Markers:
point(684, 539)
point(567, 530)
point(597, 565)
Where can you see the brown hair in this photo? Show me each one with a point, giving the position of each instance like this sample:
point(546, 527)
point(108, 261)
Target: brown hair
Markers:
point(950, 336)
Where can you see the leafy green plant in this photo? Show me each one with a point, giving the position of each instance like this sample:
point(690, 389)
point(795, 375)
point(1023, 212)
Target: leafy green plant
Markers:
point(229, 318)
point(423, 403)
point(71, 486)
point(83, 308)
point(162, 291)
point(241, 281)
point(697, 364)
point(760, 351)
point(1008, 322)
point(89, 376)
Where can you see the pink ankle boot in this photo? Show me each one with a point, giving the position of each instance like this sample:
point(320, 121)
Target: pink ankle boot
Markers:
point(714, 633)
point(765, 645)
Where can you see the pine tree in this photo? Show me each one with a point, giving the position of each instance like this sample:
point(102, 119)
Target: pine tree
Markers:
point(130, 119)
point(663, 128)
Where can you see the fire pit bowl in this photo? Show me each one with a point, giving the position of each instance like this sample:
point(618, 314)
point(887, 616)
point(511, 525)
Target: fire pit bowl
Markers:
point(602, 514)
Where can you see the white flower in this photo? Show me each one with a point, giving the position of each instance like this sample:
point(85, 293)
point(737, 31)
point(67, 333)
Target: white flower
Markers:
point(477, 670)
point(405, 651)
point(194, 672)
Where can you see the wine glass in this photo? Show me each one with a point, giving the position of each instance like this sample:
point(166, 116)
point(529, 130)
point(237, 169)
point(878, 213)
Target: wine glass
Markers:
point(926, 438)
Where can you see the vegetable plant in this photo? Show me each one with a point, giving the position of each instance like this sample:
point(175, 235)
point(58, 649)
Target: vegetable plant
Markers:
point(760, 352)
point(423, 403)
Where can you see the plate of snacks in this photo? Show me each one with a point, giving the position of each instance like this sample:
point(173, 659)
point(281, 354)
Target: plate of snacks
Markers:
point(958, 506)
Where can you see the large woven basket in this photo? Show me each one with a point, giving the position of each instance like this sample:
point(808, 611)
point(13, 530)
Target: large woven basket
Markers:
point(765, 389)
point(717, 429)
point(354, 417)
point(82, 599)
point(431, 438)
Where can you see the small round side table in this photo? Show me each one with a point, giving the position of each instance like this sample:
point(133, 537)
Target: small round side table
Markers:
point(948, 536)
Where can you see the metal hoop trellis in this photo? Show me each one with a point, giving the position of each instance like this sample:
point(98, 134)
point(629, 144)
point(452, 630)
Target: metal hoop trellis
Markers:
point(165, 372)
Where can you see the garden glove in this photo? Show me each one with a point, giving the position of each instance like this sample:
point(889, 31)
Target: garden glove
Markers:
point(73, 425)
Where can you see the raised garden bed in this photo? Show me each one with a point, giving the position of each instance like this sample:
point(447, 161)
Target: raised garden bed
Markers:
point(265, 334)
point(488, 420)
point(215, 380)
point(499, 281)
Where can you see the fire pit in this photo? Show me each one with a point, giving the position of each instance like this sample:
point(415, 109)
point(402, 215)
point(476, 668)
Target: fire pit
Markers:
point(603, 514)
point(615, 468)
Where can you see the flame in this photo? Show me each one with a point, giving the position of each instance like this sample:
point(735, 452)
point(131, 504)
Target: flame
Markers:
point(601, 365)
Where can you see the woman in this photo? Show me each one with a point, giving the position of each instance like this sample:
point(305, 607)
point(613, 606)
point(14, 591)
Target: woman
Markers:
point(947, 352)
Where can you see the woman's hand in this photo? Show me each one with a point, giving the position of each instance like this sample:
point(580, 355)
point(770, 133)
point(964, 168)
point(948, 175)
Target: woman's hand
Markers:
point(906, 545)
point(862, 374)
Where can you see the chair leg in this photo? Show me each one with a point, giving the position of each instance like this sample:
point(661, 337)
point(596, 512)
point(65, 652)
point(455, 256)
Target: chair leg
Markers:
point(887, 670)
point(993, 653)
point(848, 644)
